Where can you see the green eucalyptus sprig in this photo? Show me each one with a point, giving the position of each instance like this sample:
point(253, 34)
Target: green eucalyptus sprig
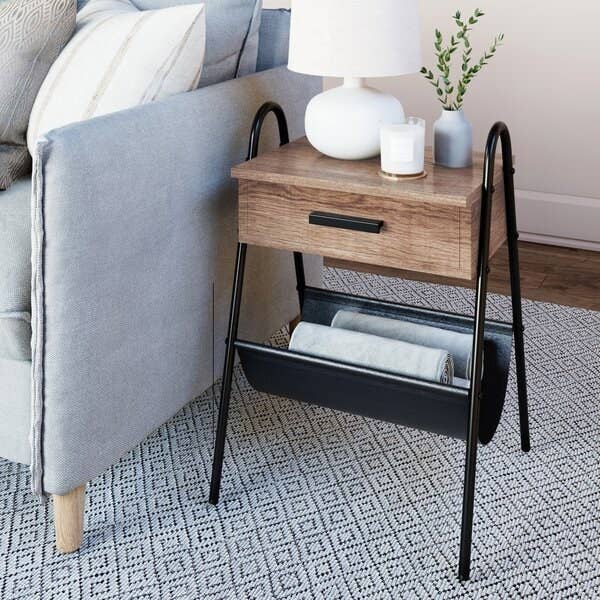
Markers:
point(452, 96)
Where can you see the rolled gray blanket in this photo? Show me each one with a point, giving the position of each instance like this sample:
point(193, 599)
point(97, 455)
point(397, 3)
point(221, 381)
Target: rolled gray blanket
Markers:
point(459, 345)
point(375, 352)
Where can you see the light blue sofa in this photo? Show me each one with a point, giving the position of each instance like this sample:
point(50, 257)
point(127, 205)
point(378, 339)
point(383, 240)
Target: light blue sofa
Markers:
point(131, 233)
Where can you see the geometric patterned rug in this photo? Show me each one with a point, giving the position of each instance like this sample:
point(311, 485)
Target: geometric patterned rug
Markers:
point(318, 504)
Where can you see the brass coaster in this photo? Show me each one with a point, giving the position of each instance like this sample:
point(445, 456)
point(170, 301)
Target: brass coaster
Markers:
point(392, 177)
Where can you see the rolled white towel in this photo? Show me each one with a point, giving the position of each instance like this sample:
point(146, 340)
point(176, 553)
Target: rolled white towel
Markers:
point(373, 351)
point(459, 345)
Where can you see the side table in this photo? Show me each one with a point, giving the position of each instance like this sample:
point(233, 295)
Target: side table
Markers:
point(294, 198)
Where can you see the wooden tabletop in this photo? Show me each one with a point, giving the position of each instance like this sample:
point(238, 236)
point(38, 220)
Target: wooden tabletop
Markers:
point(300, 164)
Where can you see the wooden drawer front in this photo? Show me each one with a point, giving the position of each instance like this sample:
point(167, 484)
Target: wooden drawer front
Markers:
point(414, 236)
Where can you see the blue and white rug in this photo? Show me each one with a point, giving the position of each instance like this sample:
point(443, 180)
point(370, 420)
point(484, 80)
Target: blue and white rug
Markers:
point(322, 505)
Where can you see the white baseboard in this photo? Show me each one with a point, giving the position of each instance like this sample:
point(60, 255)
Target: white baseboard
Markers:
point(570, 221)
point(558, 241)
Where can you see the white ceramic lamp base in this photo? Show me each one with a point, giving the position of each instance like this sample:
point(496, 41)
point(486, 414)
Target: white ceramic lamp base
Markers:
point(345, 122)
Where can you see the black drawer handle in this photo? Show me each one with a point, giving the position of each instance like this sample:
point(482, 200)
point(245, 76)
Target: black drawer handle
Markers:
point(345, 222)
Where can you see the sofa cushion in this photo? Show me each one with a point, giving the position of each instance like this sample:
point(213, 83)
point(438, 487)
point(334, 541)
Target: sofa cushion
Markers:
point(15, 410)
point(273, 48)
point(15, 271)
point(32, 34)
point(231, 36)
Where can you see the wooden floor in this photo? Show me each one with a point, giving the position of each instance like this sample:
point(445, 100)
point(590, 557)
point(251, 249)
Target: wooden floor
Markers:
point(548, 273)
point(553, 274)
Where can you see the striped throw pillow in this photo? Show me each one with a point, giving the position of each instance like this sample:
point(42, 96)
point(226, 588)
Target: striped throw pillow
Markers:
point(120, 57)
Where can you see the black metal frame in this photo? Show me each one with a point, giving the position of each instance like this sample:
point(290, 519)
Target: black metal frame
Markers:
point(499, 132)
point(236, 299)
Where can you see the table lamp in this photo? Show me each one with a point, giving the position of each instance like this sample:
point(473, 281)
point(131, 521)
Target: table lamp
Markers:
point(353, 39)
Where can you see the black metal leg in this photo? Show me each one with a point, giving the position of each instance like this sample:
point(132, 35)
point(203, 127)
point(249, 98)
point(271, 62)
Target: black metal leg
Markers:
point(300, 279)
point(236, 300)
point(475, 392)
point(498, 132)
point(515, 286)
point(284, 138)
point(234, 315)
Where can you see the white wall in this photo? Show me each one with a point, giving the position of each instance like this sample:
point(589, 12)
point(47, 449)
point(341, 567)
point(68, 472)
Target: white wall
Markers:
point(545, 83)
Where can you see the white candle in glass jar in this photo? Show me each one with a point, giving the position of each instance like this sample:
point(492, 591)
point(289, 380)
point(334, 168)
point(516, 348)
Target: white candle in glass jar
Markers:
point(403, 147)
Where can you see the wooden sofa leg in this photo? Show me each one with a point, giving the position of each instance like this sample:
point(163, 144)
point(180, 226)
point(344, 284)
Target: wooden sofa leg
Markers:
point(68, 519)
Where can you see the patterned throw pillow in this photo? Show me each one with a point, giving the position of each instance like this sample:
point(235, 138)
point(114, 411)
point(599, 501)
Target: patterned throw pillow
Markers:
point(120, 57)
point(32, 34)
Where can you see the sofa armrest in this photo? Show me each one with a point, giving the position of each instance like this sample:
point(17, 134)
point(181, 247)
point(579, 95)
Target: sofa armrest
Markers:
point(133, 213)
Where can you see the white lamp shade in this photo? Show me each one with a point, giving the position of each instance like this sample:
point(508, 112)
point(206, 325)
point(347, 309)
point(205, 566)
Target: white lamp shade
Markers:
point(355, 38)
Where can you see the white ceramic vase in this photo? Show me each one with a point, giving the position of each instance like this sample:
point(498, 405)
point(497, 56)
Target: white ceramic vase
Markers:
point(453, 140)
